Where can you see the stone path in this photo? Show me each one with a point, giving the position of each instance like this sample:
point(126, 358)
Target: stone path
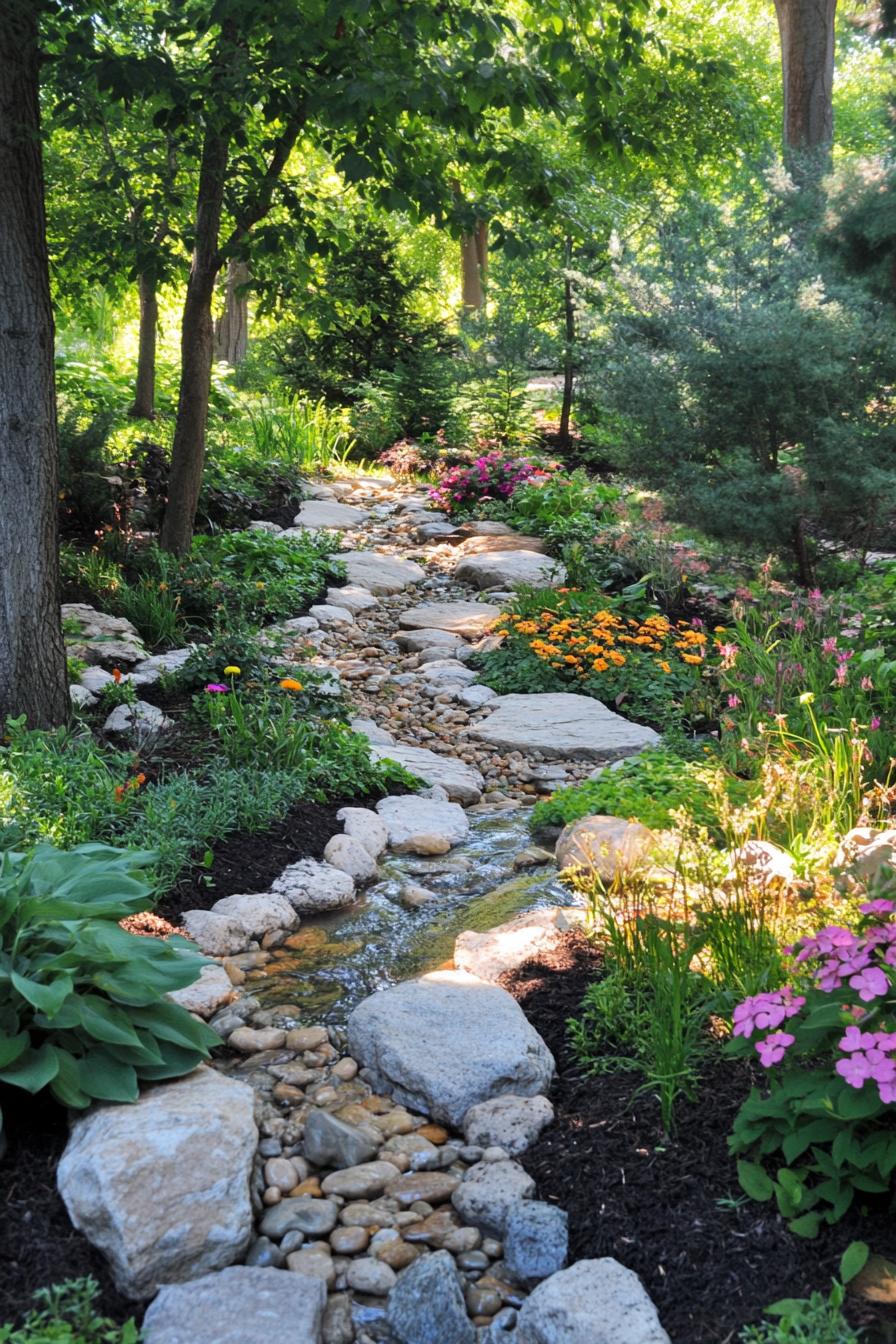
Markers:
point(367, 1180)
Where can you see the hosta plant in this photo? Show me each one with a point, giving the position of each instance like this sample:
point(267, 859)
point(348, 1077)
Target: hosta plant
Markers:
point(82, 1006)
point(824, 1130)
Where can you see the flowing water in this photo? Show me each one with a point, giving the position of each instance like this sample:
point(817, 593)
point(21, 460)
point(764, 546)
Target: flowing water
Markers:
point(335, 960)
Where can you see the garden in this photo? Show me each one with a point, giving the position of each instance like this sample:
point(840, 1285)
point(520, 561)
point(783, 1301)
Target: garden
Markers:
point(448, 673)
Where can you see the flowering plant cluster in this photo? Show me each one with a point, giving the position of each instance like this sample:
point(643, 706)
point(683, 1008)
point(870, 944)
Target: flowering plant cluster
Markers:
point(492, 476)
point(829, 1044)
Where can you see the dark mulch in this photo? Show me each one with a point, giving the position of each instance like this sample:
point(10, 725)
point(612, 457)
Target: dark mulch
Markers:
point(252, 860)
point(38, 1245)
point(653, 1202)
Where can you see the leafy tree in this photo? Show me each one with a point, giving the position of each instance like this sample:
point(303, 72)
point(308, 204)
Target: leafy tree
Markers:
point(750, 387)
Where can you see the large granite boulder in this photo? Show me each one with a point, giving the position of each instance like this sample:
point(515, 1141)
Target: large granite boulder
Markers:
point(469, 619)
point(507, 568)
point(512, 541)
point(608, 846)
point(494, 952)
point(102, 638)
point(161, 1187)
point(241, 1305)
point(380, 574)
point(462, 783)
point(445, 1042)
point(426, 1306)
point(593, 1302)
point(310, 886)
point(422, 825)
point(562, 726)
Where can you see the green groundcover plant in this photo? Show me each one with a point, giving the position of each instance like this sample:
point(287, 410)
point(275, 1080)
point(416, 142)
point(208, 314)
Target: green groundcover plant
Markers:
point(67, 1314)
point(817, 1319)
point(822, 1132)
point(82, 1006)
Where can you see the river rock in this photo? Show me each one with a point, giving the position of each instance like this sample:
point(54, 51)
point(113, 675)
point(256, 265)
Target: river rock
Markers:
point(421, 825)
point(372, 731)
point(491, 954)
point(511, 541)
point(536, 1240)
point(593, 1302)
point(206, 995)
point(489, 1191)
point(370, 1276)
point(352, 599)
point(161, 1186)
point(426, 1306)
point(332, 1142)
point(461, 782)
point(366, 1181)
point(431, 641)
point(352, 857)
point(312, 886)
point(149, 670)
point(321, 513)
point(330, 617)
point(511, 1123)
point(508, 568)
point(216, 935)
point(140, 718)
point(561, 726)
point(240, 1305)
point(445, 1042)
point(441, 672)
point(381, 574)
point(363, 825)
point(302, 1213)
point(605, 845)
point(471, 619)
point(259, 913)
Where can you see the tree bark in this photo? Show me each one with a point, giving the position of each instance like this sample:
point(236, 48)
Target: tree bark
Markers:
point(197, 345)
point(144, 407)
point(33, 677)
point(806, 28)
point(569, 316)
point(232, 327)
point(474, 267)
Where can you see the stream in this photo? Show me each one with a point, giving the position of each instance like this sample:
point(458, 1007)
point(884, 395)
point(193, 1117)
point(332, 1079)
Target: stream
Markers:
point(335, 960)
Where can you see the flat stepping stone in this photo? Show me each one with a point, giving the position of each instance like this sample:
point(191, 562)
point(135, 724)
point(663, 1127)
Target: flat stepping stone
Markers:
point(516, 541)
point(353, 599)
point(506, 568)
point(381, 574)
point(418, 825)
point(470, 619)
point(562, 727)
point(321, 513)
point(241, 1305)
point(416, 641)
point(461, 782)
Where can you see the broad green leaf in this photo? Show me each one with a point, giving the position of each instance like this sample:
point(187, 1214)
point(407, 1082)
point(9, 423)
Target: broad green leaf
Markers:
point(49, 998)
point(755, 1181)
point(33, 1069)
point(807, 1226)
point(853, 1260)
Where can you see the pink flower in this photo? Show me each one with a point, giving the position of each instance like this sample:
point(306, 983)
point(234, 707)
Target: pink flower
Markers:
point(772, 1049)
point(829, 645)
point(215, 688)
point(856, 1039)
point(866, 684)
point(875, 722)
point(870, 983)
point(878, 907)
point(733, 701)
point(855, 1069)
point(887, 1092)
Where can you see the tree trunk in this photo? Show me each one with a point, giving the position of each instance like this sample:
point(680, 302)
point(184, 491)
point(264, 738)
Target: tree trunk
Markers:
point(232, 327)
point(807, 60)
point(144, 407)
point(197, 344)
point(33, 677)
point(569, 314)
point(474, 267)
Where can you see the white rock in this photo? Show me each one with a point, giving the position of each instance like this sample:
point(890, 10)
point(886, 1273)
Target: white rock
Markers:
point(320, 513)
point(381, 574)
point(458, 618)
point(491, 954)
point(214, 934)
point(605, 845)
point(561, 726)
point(372, 731)
point(418, 641)
point(363, 824)
point(512, 1123)
point(206, 995)
point(352, 857)
point(328, 616)
point(489, 1191)
point(461, 782)
point(506, 569)
point(161, 1187)
point(317, 490)
point(475, 696)
point(102, 638)
point(445, 1042)
point(95, 679)
point(309, 885)
point(81, 697)
point(352, 599)
point(461, 652)
point(258, 913)
point(593, 1302)
point(421, 825)
point(139, 718)
point(447, 671)
point(150, 670)
point(264, 525)
point(241, 1305)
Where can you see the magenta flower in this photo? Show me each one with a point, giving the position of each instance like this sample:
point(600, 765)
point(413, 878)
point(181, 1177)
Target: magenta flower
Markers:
point(875, 722)
point(855, 1069)
point(856, 1039)
point(870, 983)
point(733, 701)
point(773, 1048)
point(878, 907)
point(215, 688)
point(866, 684)
point(887, 1092)
point(829, 645)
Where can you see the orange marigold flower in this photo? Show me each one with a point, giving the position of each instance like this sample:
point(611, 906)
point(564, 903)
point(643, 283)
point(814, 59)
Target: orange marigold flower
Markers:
point(691, 658)
point(116, 675)
point(290, 684)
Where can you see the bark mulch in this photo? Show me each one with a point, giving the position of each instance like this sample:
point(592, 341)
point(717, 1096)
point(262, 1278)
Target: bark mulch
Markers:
point(669, 1207)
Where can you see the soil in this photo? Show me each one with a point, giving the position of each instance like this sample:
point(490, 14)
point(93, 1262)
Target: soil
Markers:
point(38, 1245)
point(668, 1207)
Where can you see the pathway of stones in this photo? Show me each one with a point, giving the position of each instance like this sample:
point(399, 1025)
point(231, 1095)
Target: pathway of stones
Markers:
point(367, 1180)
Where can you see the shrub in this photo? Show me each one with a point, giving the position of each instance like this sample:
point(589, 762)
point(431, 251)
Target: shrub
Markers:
point(67, 1314)
point(572, 640)
point(564, 509)
point(824, 1124)
point(82, 1007)
point(491, 477)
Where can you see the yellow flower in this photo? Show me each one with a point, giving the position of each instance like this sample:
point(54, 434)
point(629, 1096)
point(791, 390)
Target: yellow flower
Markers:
point(260, 584)
point(806, 698)
point(665, 667)
point(691, 658)
point(290, 684)
point(232, 671)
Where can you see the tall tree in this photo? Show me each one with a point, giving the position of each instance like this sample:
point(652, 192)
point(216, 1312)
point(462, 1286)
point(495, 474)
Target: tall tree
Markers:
point(807, 61)
point(32, 655)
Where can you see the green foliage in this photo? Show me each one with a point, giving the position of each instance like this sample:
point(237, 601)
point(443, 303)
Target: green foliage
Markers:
point(67, 1314)
point(82, 1008)
point(302, 436)
point(817, 1319)
point(564, 508)
point(650, 787)
point(494, 396)
point(750, 378)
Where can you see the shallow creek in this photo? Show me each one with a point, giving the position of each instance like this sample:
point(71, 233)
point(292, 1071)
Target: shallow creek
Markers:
point(335, 960)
